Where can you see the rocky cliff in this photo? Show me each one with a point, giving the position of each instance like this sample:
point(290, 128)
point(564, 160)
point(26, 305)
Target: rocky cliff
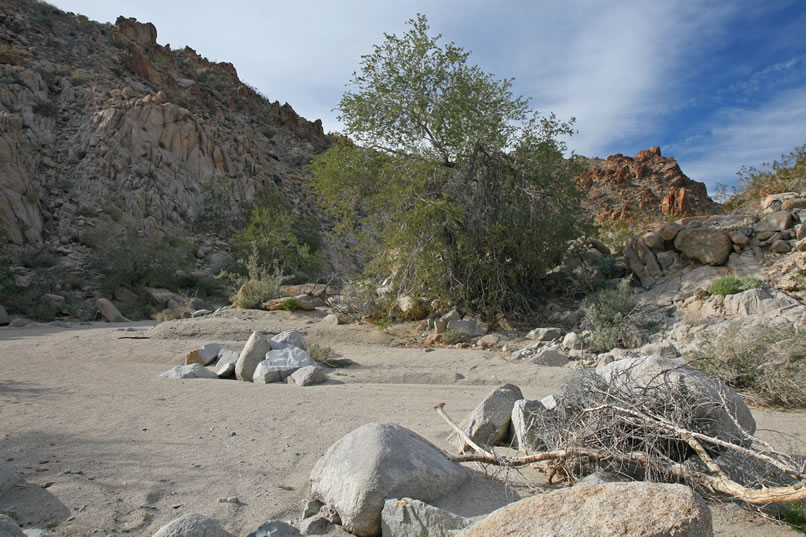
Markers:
point(99, 120)
point(647, 185)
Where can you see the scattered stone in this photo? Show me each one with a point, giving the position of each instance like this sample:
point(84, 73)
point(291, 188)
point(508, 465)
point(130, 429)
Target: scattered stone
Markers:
point(280, 364)
point(714, 417)
point(9, 528)
point(192, 371)
point(411, 308)
point(468, 328)
point(252, 354)
point(545, 334)
point(315, 525)
point(308, 376)
point(200, 313)
point(289, 338)
point(8, 477)
point(571, 341)
point(637, 509)
point(192, 525)
point(109, 311)
point(781, 246)
point(412, 518)
point(488, 423)
point(549, 357)
point(203, 355)
point(489, 341)
point(452, 315)
point(225, 367)
point(379, 461)
point(274, 528)
point(20, 322)
point(331, 318)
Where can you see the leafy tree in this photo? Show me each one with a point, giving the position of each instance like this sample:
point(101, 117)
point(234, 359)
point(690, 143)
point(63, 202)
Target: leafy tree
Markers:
point(455, 186)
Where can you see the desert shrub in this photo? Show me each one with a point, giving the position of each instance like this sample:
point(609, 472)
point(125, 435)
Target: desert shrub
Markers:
point(359, 298)
point(766, 364)
point(784, 175)
point(730, 285)
point(455, 187)
point(290, 304)
point(617, 235)
point(125, 256)
point(793, 514)
point(259, 284)
point(280, 238)
point(609, 316)
point(452, 337)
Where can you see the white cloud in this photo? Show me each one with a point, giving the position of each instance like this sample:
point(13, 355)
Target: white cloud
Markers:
point(737, 137)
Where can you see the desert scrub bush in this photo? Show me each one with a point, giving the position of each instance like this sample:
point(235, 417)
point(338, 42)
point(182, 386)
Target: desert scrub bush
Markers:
point(259, 284)
point(766, 364)
point(730, 285)
point(453, 337)
point(281, 238)
point(290, 304)
point(784, 175)
point(609, 317)
point(127, 257)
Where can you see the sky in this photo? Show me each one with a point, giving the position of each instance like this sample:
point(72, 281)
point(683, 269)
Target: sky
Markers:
point(716, 84)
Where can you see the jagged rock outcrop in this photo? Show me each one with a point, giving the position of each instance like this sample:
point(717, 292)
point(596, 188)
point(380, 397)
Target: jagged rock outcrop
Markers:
point(100, 124)
point(649, 184)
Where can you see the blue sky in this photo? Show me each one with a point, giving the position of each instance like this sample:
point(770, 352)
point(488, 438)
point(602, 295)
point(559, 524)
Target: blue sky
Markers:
point(716, 84)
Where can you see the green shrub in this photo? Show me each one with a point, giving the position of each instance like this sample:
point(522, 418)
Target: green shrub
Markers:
point(609, 316)
point(793, 513)
point(280, 238)
point(261, 283)
point(730, 285)
point(453, 337)
point(290, 304)
point(766, 364)
point(124, 256)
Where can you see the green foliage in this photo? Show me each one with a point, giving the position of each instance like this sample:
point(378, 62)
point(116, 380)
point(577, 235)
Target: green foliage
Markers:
point(784, 175)
point(730, 285)
point(617, 235)
point(279, 238)
point(608, 314)
point(453, 337)
point(794, 514)
point(125, 256)
point(290, 304)
point(766, 364)
point(259, 284)
point(459, 190)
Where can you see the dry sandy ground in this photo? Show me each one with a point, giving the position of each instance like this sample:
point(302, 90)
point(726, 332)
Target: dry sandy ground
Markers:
point(105, 447)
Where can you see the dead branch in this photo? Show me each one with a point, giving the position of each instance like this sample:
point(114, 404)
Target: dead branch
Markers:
point(439, 409)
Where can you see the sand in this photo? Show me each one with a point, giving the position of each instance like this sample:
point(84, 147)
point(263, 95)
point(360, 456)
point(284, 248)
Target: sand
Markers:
point(103, 446)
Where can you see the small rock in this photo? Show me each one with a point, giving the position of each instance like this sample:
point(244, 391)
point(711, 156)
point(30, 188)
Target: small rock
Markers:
point(488, 423)
point(20, 322)
point(549, 357)
point(280, 364)
point(331, 318)
point(781, 246)
point(468, 328)
point(192, 371)
point(225, 367)
point(200, 313)
point(9, 528)
point(308, 376)
point(203, 355)
point(544, 334)
point(571, 341)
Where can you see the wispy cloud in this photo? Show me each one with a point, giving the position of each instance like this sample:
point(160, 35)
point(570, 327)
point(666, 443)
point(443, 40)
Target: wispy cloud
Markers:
point(744, 137)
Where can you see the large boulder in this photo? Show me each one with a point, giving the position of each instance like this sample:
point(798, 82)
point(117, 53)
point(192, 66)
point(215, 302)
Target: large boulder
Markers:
point(488, 424)
point(225, 367)
point(525, 424)
point(252, 354)
point(204, 355)
point(192, 525)
point(307, 376)
point(192, 371)
point(704, 245)
point(777, 221)
point(642, 262)
point(289, 338)
point(718, 408)
point(637, 509)
point(280, 364)
point(109, 311)
point(375, 462)
point(412, 518)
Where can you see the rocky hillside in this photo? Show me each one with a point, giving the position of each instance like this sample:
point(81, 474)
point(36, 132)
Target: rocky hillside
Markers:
point(645, 186)
point(99, 122)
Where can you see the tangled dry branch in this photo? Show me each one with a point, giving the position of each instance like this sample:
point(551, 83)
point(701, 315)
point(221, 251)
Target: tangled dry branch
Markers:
point(651, 434)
